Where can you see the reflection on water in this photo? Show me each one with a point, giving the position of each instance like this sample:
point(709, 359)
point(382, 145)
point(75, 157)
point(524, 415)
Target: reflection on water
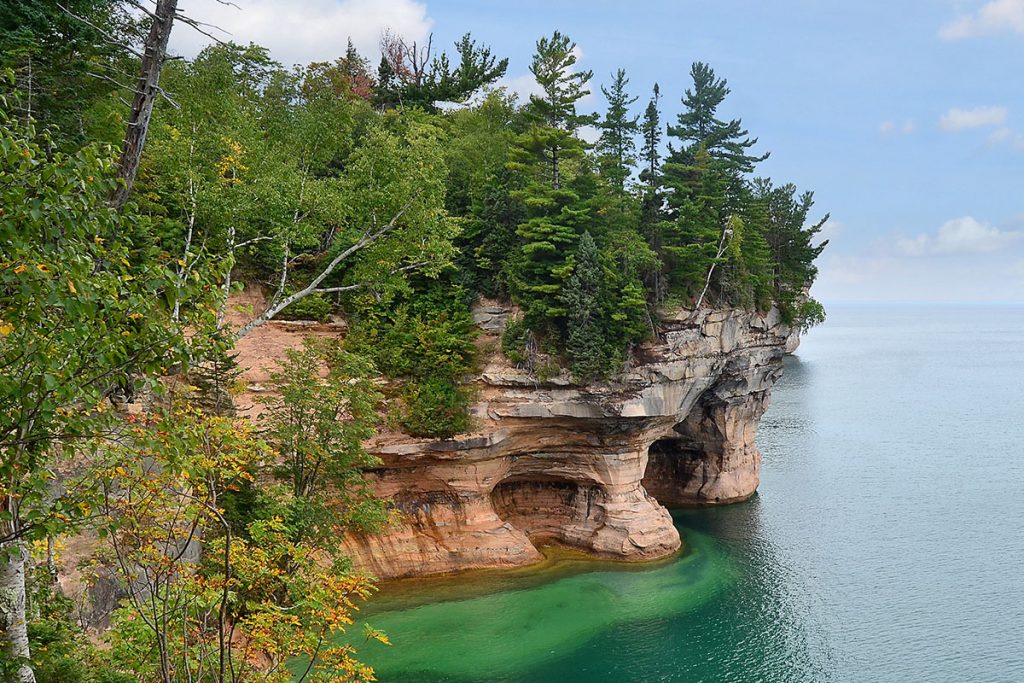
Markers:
point(884, 544)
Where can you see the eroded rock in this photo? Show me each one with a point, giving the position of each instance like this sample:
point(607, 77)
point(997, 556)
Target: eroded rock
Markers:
point(592, 467)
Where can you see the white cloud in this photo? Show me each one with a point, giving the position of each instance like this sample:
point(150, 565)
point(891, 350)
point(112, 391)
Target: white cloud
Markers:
point(996, 16)
point(890, 127)
point(830, 231)
point(979, 117)
point(589, 134)
point(523, 86)
point(302, 31)
point(965, 235)
point(1005, 137)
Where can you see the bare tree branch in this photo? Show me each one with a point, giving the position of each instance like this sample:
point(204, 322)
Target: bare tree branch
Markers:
point(312, 288)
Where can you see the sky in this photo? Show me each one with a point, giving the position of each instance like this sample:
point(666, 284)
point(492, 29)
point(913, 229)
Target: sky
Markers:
point(905, 117)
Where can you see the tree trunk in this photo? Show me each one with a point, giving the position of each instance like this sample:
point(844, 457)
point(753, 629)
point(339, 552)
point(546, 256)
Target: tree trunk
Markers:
point(13, 626)
point(145, 95)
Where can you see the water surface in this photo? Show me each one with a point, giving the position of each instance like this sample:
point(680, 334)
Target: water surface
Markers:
point(885, 543)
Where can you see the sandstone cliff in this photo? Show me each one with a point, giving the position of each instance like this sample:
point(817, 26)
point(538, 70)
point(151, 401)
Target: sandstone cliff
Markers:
point(592, 467)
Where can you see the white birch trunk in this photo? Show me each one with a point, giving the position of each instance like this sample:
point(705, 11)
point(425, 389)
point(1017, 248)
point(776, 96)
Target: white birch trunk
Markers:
point(13, 626)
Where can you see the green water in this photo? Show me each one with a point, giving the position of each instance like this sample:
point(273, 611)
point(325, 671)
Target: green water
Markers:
point(885, 543)
point(534, 618)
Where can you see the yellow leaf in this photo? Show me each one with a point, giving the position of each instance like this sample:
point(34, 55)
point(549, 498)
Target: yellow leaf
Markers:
point(71, 287)
point(98, 240)
point(21, 269)
point(181, 262)
point(43, 268)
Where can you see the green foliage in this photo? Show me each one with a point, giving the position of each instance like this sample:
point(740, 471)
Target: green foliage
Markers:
point(803, 315)
point(410, 76)
point(314, 307)
point(426, 340)
point(514, 340)
point(436, 407)
point(585, 341)
point(322, 409)
point(53, 56)
point(616, 146)
point(83, 309)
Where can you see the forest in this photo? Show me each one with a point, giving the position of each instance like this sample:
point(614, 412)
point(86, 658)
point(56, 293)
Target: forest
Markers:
point(391, 195)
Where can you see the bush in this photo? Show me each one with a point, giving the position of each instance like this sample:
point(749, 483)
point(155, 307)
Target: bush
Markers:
point(437, 407)
point(513, 341)
point(313, 307)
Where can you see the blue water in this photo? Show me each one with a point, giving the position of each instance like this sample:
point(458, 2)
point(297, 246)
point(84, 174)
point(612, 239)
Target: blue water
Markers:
point(885, 543)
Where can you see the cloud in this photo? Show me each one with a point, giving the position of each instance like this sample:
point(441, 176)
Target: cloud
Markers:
point(891, 127)
point(523, 86)
point(1004, 137)
point(964, 235)
point(979, 117)
point(830, 231)
point(303, 31)
point(996, 16)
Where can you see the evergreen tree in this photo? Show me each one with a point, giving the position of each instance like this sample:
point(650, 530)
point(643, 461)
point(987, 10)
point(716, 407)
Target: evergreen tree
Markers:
point(555, 213)
point(582, 296)
point(555, 120)
point(650, 152)
point(616, 145)
point(698, 126)
point(652, 200)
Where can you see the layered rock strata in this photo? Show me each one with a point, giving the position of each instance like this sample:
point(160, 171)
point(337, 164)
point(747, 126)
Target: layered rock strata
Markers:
point(592, 467)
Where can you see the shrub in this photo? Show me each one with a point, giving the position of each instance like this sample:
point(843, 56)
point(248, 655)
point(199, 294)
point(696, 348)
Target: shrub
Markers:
point(313, 307)
point(437, 407)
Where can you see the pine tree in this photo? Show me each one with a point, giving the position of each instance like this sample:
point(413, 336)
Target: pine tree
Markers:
point(650, 152)
point(698, 127)
point(555, 212)
point(585, 338)
point(616, 145)
point(554, 116)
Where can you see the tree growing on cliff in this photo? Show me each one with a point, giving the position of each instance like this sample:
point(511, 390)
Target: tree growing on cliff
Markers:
point(322, 409)
point(555, 214)
point(616, 145)
point(582, 297)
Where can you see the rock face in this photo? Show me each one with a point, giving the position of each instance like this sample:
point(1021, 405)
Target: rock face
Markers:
point(592, 467)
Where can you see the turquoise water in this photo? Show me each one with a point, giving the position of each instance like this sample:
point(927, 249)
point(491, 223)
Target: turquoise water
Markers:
point(885, 543)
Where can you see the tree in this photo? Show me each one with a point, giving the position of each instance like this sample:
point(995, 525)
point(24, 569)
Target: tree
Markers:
point(347, 77)
point(147, 89)
point(699, 129)
point(650, 152)
point(782, 216)
point(84, 309)
point(616, 144)
point(582, 297)
point(411, 75)
point(65, 68)
point(555, 215)
point(317, 425)
point(553, 114)
point(255, 599)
